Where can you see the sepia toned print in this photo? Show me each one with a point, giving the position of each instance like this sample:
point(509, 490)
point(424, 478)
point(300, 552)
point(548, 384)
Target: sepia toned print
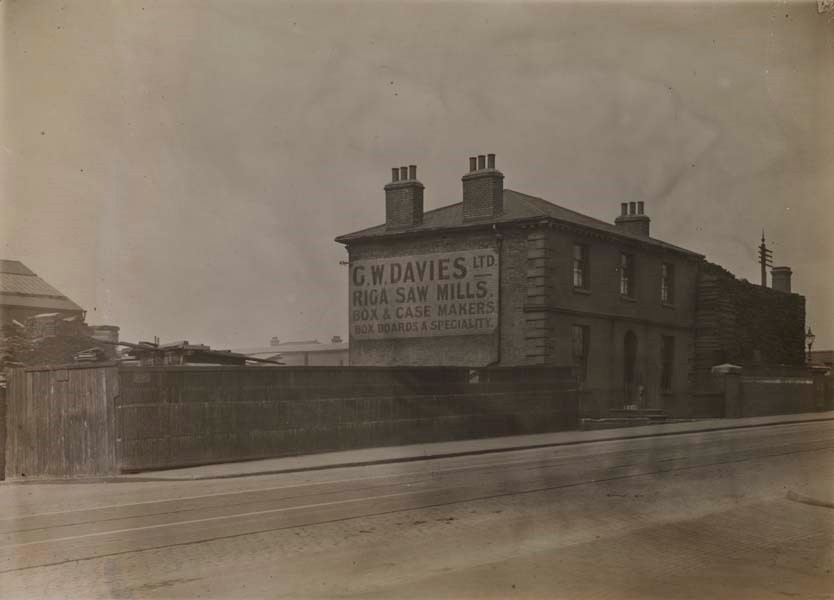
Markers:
point(416, 300)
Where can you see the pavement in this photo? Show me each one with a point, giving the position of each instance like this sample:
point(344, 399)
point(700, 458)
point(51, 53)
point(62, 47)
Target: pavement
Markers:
point(721, 513)
point(415, 452)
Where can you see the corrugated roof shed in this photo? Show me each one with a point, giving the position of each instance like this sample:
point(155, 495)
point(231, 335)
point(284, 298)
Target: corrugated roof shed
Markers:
point(20, 286)
point(517, 207)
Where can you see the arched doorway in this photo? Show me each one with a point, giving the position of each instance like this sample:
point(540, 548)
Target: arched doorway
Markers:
point(629, 367)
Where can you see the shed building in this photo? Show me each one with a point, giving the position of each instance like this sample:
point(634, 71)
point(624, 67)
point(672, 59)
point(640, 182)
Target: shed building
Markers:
point(23, 295)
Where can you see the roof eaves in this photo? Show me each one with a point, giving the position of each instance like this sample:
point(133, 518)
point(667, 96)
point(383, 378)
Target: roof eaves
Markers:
point(362, 233)
point(355, 237)
point(352, 237)
point(27, 301)
point(624, 235)
point(595, 224)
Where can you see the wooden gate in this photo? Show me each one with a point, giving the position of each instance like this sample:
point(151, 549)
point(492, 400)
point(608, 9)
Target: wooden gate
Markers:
point(60, 421)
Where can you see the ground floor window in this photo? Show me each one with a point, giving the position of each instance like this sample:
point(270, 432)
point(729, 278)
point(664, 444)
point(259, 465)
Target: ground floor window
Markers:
point(581, 335)
point(667, 359)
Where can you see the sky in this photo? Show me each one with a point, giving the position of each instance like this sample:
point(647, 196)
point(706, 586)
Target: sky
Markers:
point(180, 168)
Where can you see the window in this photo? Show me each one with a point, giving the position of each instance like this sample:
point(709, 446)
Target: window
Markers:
point(667, 358)
point(667, 283)
point(581, 339)
point(627, 275)
point(580, 267)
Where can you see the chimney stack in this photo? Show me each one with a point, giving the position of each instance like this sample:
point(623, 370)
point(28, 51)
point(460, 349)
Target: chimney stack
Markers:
point(633, 218)
point(483, 189)
point(781, 277)
point(403, 198)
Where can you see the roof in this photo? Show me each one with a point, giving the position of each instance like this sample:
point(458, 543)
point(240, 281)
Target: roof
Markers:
point(517, 207)
point(294, 348)
point(20, 286)
point(14, 266)
point(196, 353)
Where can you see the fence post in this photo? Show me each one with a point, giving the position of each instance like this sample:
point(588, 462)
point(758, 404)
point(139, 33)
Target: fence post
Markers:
point(821, 377)
point(728, 378)
point(2, 433)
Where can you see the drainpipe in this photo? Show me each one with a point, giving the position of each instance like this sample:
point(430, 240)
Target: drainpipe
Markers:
point(499, 238)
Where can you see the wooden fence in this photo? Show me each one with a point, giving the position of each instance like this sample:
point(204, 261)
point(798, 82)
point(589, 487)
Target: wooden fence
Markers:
point(98, 421)
point(178, 416)
point(2, 433)
point(60, 422)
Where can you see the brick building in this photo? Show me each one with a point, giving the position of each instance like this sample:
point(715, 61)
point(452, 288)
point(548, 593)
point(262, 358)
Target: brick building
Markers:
point(504, 278)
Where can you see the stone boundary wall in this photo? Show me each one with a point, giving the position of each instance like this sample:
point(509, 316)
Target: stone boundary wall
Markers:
point(780, 389)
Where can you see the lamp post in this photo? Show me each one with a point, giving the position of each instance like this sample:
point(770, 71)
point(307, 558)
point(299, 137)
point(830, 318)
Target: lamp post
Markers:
point(809, 339)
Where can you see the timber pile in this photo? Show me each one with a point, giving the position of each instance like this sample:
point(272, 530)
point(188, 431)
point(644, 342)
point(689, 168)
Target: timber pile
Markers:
point(48, 339)
point(714, 321)
point(153, 354)
point(13, 344)
point(744, 324)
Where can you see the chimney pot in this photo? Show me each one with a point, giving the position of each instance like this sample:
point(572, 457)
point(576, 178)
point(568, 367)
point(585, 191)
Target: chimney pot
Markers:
point(483, 189)
point(403, 198)
point(491, 161)
point(632, 218)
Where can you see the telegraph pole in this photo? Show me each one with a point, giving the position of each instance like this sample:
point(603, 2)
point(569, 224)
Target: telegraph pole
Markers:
point(765, 259)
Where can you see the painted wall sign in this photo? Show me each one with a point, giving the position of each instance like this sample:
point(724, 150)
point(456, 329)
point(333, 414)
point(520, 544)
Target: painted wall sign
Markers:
point(453, 293)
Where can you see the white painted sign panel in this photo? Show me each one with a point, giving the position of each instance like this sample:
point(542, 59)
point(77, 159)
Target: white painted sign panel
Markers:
point(426, 295)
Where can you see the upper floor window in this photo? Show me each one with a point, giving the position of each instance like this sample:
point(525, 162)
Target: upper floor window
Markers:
point(627, 275)
point(581, 278)
point(581, 335)
point(667, 283)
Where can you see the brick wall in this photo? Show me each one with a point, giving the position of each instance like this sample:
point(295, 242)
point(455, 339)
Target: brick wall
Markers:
point(483, 194)
point(403, 204)
point(763, 390)
point(459, 350)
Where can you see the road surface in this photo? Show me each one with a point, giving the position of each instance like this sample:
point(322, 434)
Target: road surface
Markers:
point(743, 513)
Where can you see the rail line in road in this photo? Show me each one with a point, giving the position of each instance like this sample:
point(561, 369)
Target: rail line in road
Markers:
point(40, 540)
point(315, 490)
point(593, 451)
